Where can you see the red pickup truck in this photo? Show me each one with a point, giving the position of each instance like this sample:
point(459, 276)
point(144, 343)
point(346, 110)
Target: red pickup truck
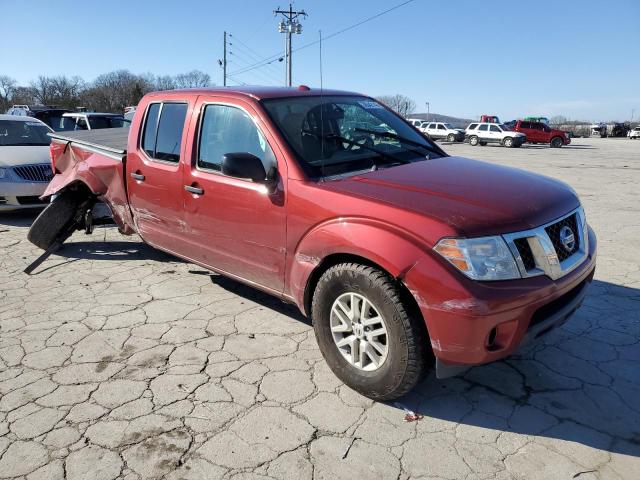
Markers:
point(406, 259)
point(538, 132)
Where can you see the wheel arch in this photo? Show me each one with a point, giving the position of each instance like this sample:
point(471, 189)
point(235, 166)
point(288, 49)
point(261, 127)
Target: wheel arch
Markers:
point(337, 258)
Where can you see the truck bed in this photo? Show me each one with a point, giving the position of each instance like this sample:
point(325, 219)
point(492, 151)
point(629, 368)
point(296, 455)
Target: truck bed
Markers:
point(109, 140)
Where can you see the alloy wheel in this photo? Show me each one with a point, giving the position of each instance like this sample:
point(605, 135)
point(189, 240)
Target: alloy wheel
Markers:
point(359, 331)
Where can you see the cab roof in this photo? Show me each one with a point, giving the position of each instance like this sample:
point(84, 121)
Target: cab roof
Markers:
point(258, 92)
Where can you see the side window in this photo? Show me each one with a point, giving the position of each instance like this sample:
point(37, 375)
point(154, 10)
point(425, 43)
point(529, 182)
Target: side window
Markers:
point(150, 129)
point(441, 127)
point(431, 126)
point(81, 124)
point(163, 138)
point(483, 127)
point(227, 129)
point(495, 128)
point(525, 125)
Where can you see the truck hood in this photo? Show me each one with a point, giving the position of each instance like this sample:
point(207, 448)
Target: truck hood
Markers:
point(23, 155)
point(472, 197)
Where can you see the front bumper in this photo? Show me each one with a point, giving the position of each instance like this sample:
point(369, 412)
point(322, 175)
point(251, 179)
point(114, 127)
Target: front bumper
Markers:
point(20, 195)
point(472, 323)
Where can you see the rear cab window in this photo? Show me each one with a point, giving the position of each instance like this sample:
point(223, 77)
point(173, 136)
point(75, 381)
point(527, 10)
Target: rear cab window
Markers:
point(163, 128)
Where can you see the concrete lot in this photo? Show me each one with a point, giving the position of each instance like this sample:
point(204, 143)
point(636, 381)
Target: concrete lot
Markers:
point(117, 361)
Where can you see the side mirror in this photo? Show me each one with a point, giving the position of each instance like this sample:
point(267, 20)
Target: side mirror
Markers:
point(247, 165)
point(244, 165)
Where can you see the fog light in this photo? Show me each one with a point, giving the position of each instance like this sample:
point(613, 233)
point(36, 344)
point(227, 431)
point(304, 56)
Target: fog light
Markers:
point(491, 340)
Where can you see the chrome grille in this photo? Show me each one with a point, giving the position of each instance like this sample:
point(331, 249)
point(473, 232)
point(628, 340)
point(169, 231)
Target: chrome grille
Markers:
point(540, 251)
point(34, 173)
point(554, 234)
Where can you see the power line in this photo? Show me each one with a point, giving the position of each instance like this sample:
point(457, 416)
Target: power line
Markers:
point(278, 57)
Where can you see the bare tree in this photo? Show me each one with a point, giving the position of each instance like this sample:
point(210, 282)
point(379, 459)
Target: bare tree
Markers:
point(164, 82)
point(192, 79)
point(111, 92)
point(23, 96)
point(7, 87)
point(399, 103)
point(558, 120)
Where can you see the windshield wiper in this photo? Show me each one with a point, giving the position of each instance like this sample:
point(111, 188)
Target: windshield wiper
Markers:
point(399, 138)
point(390, 159)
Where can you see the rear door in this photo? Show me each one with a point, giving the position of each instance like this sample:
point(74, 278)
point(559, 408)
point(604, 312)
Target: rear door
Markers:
point(234, 225)
point(537, 133)
point(154, 175)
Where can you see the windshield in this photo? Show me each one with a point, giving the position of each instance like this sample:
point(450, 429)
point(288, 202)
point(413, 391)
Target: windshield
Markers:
point(504, 127)
point(448, 126)
point(18, 133)
point(334, 135)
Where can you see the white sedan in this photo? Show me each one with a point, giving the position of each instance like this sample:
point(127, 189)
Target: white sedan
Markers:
point(25, 168)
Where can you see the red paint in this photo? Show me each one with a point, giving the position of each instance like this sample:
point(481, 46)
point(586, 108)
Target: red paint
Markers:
point(391, 217)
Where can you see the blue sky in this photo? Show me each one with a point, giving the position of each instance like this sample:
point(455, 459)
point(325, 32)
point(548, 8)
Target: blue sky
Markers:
point(576, 58)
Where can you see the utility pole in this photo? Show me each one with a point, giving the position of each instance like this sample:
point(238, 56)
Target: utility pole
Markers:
point(224, 61)
point(289, 25)
point(428, 113)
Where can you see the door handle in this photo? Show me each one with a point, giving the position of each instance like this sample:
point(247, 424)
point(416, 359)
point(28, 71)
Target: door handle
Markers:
point(137, 176)
point(194, 190)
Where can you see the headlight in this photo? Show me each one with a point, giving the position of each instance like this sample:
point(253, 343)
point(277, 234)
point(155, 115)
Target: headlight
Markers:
point(484, 258)
point(3, 172)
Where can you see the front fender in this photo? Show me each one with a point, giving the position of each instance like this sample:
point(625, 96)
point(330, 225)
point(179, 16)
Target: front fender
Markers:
point(393, 249)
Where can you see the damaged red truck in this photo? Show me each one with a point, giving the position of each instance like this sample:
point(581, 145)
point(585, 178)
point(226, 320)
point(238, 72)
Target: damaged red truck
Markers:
point(406, 259)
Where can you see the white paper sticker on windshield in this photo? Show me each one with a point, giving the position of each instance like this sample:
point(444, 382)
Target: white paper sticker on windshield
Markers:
point(33, 124)
point(369, 105)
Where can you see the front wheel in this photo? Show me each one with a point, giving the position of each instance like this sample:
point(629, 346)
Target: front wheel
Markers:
point(556, 142)
point(473, 141)
point(368, 332)
point(508, 142)
point(451, 138)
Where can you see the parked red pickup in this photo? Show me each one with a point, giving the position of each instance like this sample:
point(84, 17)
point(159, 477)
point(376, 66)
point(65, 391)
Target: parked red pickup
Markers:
point(538, 132)
point(404, 257)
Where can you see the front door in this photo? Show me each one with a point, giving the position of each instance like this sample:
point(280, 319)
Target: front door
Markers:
point(234, 225)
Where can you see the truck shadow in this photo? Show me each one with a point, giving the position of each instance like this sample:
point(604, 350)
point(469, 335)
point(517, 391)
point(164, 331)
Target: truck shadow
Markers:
point(261, 298)
point(580, 384)
point(113, 250)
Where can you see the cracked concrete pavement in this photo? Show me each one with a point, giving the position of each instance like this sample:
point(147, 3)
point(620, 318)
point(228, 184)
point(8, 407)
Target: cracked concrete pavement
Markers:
point(118, 361)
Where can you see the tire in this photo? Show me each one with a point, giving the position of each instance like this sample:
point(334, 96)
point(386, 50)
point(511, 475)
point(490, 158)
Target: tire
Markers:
point(407, 358)
point(451, 138)
point(556, 142)
point(483, 144)
point(508, 142)
point(473, 141)
point(59, 219)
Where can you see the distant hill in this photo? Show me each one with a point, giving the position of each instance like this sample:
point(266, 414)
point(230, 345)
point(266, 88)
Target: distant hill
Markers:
point(436, 117)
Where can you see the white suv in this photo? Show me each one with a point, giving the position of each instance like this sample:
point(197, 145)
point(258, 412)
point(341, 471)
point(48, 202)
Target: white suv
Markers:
point(634, 133)
point(444, 131)
point(483, 133)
